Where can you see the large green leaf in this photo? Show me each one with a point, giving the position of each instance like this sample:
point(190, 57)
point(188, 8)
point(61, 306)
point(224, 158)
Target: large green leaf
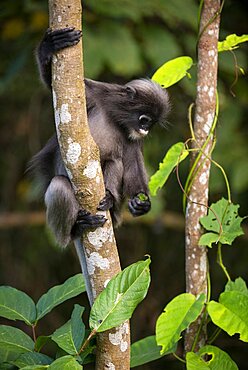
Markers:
point(231, 313)
point(14, 340)
point(70, 336)
point(222, 222)
point(177, 315)
point(239, 285)
point(121, 296)
point(173, 71)
point(32, 358)
point(65, 363)
point(219, 360)
point(176, 154)
point(70, 288)
point(231, 42)
point(16, 305)
point(146, 350)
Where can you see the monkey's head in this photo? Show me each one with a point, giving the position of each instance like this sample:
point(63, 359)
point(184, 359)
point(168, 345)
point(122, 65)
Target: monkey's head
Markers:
point(141, 104)
point(135, 107)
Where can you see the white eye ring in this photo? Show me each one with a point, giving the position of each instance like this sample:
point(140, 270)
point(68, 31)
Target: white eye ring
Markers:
point(144, 119)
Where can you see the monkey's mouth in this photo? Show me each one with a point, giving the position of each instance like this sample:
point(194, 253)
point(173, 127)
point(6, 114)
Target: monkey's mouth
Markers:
point(143, 132)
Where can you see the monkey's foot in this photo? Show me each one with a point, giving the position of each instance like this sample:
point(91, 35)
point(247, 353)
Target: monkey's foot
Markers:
point(138, 206)
point(107, 202)
point(86, 220)
point(63, 38)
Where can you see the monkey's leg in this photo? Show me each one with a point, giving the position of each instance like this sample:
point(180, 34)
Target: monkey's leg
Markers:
point(64, 216)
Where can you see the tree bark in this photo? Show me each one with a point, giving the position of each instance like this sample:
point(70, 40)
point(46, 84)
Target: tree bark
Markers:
point(196, 256)
point(81, 158)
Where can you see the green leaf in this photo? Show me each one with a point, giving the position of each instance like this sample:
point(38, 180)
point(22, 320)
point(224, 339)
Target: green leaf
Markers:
point(65, 363)
point(121, 296)
point(16, 305)
point(239, 285)
point(36, 367)
point(70, 336)
point(231, 313)
point(222, 219)
point(176, 154)
point(70, 288)
point(173, 71)
point(195, 362)
point(209, 239)
point(33, 358)
point(219, 360)
point(145, 350)
point(14, 340)
point(40, 342)
point(177, 315)
point(231, 42)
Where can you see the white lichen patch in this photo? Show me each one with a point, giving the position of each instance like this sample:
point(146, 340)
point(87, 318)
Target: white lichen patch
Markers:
point(100, 236)
point(203, 263)
point(96, 260)
point(110, 366)
point(92, 169)
point(65, 115)
point(118, 338)
point(54, 99)
point(211, 92)
point(211, 53)
point(73, 152)
point(211, 32)
point(203, 178)
point(205, 88)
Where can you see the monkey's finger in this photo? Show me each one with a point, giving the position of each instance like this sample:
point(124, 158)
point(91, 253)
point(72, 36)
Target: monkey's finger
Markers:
point(140, 204)
point(137, 211)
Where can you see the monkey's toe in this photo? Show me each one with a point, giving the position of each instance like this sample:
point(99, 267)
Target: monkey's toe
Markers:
point(86, 221)
point(107, 202)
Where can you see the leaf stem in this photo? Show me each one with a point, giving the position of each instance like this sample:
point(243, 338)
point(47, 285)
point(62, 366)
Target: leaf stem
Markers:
point(220, 262)
point(179, 358)
point(86, 343)
point(34, 333)
point(215, 334)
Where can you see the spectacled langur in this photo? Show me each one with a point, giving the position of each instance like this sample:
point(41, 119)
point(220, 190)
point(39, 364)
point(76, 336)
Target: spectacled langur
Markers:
point(119, 118)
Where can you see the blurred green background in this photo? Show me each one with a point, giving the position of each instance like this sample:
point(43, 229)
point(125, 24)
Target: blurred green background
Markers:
point(123, 39)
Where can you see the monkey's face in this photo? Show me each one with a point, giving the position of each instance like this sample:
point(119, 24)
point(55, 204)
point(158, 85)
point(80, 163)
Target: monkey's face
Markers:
point(140, 127)
point(147, 104)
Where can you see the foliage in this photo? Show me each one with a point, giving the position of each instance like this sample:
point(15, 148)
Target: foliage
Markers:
point(112, 307)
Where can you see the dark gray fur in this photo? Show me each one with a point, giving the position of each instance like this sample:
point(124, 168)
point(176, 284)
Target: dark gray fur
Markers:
point(119, 116)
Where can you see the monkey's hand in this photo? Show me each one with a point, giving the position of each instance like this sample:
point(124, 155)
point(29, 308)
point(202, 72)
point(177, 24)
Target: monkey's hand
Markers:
point(85, 220)
point(107, 202)
point(59, 39)
point(139, 204)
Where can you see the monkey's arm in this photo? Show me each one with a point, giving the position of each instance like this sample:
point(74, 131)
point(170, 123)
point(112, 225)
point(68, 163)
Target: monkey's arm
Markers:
point(135, 180)
point(113, 176)
point(52, 42)
point(64, 217)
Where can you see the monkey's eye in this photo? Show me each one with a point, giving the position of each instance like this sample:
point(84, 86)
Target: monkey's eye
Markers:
point(145, 121)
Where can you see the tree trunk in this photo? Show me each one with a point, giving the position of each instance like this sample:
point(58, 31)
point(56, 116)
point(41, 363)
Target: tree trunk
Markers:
point(81, 158)
point(196, 256)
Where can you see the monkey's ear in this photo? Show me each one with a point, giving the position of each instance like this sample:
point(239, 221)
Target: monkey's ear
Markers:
point(131, 92)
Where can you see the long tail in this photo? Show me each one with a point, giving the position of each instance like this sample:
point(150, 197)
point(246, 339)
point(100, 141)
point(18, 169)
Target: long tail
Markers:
point(82, 259)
